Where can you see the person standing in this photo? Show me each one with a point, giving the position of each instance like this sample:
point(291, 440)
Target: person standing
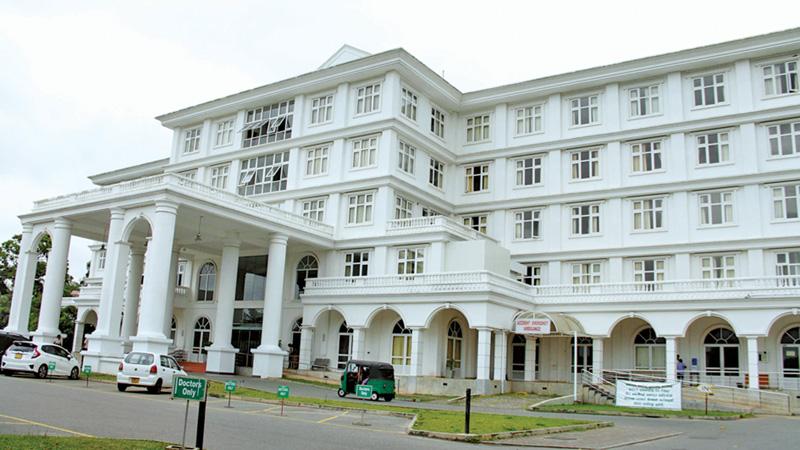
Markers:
point(681, 369)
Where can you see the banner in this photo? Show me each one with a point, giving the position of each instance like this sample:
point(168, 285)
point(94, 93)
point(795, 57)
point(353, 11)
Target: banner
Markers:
point(532, 326)
point(649, 395)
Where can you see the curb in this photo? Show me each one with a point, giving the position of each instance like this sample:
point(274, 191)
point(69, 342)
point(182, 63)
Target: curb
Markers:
point(509, 434)
point(629, 414)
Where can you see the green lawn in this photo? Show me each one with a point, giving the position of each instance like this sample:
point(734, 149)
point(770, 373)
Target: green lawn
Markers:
point(75, 443)
point(601, 409)
point(480, 423)
point(334, 384)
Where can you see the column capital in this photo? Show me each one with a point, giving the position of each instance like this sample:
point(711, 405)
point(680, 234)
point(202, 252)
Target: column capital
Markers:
point(27, 228)
point(62, 223)
point(231, 239)
point(278, 239)
point(117, 213)
point(138, 250)
point(166, 206)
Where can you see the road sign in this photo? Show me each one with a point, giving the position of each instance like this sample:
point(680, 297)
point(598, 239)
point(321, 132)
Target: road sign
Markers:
point(188, 388)
point(230, 386)
point(87, 369)
point(363, 391)
point(705, 389)
point(283, 391)
point(51, 366)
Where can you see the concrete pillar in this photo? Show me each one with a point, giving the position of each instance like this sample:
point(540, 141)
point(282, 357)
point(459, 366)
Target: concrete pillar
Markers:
point(671, 357)
point(173, 281)
point(150, 335)
point(133, 290)
point(306, 338)
point(530, 358)
point(50, 310)
point(222, 355)
point(500, 355)
point(268, 357)
point(358, 343)
point(27, 261)
point(484, 362)
point(77, 339)
point(106, 340)
point(597, 359)
point(752, 362)
point(416, 352)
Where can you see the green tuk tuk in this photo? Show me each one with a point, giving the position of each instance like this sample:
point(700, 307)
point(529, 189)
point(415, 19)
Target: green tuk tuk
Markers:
point(362, 377)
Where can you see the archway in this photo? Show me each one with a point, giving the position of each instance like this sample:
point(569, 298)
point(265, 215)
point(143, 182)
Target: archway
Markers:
point(783, 341)
point(450, 346)
point(713, 352)
point(633, 345)
point(332, 341)
point(386, 341)
point(201, 338)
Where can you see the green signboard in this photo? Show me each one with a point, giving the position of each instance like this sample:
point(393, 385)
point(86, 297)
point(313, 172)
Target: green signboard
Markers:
point(363, 391)
point(87, 369)
point(51, 366)
point(283, 391)
point(187, 388)
point(230, 386)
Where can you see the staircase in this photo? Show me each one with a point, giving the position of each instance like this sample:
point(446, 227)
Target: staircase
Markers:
point(597, 390)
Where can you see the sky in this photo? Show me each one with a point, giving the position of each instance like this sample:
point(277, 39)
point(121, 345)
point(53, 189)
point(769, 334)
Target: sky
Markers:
point(81, 81)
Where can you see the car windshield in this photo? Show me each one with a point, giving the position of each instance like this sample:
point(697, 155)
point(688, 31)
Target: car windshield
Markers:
point(144, 359)
point(21, 348)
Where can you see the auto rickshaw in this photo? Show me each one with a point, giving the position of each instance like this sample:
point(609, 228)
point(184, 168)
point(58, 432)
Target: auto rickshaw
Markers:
point(379, 376)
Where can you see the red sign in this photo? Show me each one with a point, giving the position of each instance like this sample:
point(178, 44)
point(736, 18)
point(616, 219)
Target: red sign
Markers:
point(532, 326)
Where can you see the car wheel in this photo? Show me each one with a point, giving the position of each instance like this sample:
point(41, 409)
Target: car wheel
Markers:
point(73, 375)
point(341, 392)
point(374, 397)
point(156, 389)
point(42, 372)
point(388, 398)
point(8, 373)
point(121, 387)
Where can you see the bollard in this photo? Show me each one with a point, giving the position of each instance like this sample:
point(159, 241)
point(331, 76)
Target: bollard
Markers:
point(201, 425)
point(467, 406)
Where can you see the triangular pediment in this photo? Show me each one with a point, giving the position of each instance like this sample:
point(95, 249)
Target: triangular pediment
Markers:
point(345, 54)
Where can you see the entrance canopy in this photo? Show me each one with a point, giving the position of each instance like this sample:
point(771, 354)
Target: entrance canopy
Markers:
point(544, 324)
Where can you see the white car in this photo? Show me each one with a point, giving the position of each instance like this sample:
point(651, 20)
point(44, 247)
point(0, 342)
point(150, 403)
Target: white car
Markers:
point(151, 370)
point(25, 356)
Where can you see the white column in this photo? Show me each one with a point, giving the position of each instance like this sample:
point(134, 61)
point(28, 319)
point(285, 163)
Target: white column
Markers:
point(173, 281)
point(268, 357)
point(133, 290)
point(106, 340)
point(77, 339)
point(152, 310)
point(222, 355)
point(671, 355)
point(358, 343)
point(306, 338)
point(53, 292)
point(484, 353)
point(27, 261)
point(530, 358)
point(416, 352)
point(500, 355)
point(752, 362)
point(597, 359)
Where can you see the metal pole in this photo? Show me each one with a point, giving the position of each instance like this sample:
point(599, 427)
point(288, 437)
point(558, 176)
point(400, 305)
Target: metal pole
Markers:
point(467, 406)
point(575, 366)
point(185, 421)
point(229, 399)
point(201, 425)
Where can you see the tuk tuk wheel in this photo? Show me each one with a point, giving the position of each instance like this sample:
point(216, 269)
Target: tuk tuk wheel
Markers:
point(341, 392)
point(374, 397)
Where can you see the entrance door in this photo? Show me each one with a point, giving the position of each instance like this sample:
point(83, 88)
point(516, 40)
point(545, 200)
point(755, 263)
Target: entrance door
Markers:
point(790, 352)
point(518, 357)
point(345, 345)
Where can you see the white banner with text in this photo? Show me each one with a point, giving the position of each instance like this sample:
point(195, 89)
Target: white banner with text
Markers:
point(649, 395)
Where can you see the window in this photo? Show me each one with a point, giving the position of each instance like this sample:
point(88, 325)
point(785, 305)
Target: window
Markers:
point(206, 281)
point(788, 265)
point(401, 344)
point(527, 224)
point(646, 156)
point(356, 264)
point(224, 133)
point(405, 157)
point(478, 128)
point(173, 329)
point(585, 110)
point(650, 350)
point(403, 208)
point(477, 222)
point(359, 208)
point(532, 275)
point(722, 353)
point(455, 337)
point(191, 140)
point(314, 209)
point(790, 349)
point(189, 174)
point(585, 164)
point(648, 214)
point(712, 148)
point(786, 201)
point(408, 104)
point(716, 208)
point(436, 174)
point(720, 267)
point(584, 350)
point(784, 139)
point(317, 160)
point(180, 277)
point(645, 101)
point(101, 260)
point(271, 123)
point(364, 152)
point(477, 178)
point(529, 120)
point(410, 261)
point(529, 171)
point(585, 219)
point(430, 212)
point(781, 78)
point(648, 273)
point(307, 268)
point(437, 122)
point(219, 176)
point(709, 90)
point(368, 99)
point(586, 273)
point(322, 109)
point(345, 345)
point(201, 338)
point(264, 174)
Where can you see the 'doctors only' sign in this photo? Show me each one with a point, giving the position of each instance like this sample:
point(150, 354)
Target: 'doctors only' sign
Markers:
point(649, 395)
point(186, 388)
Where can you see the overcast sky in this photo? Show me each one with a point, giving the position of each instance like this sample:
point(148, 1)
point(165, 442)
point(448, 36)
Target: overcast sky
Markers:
point(81, 81)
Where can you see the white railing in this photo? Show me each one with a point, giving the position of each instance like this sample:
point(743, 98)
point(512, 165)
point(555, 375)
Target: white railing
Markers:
point(181, 290)
point(179, 183)
point(669, 290)
point(434, 223)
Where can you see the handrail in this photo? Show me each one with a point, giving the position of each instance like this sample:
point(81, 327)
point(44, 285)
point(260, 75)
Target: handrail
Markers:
point(417, 224)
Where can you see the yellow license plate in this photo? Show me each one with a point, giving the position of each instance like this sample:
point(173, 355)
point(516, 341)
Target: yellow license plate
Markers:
point(18, 356)
point(134, 381)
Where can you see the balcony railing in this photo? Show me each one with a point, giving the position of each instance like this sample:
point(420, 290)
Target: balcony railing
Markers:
point(179, 183)
point(433, 224)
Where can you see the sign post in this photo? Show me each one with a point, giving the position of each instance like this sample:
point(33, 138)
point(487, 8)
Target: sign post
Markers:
point(706, 390)
point(363, 391)
point(230, 387)
point(467, 406)
point(87, 370)
point(283, 394)
point(192, 389)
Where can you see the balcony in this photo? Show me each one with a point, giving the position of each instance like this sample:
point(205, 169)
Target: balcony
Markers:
point(434, 224)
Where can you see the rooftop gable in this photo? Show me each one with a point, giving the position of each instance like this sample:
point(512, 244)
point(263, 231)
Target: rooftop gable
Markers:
point(345, 54)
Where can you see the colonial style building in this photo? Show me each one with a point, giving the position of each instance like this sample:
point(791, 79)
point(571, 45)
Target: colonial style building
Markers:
point(371, 210)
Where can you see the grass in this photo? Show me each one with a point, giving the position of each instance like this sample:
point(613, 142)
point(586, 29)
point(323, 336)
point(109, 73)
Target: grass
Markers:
point(334, 384)
point(600, 409)
point(75, 443)
point(481, 423)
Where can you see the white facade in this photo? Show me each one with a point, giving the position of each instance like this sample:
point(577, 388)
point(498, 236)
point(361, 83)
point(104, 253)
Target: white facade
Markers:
point(653, 198)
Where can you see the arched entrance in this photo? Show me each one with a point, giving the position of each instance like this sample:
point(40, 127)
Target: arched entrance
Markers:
point(327, 341)
point(452, 344)
point(201, 338)
point(712, 352)
point(294, 344)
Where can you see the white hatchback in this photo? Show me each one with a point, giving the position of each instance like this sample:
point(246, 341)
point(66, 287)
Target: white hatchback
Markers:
point(151, 370)
point(29, 357)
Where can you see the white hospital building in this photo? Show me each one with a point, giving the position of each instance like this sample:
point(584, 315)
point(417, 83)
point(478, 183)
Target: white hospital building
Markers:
point(371, 210)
